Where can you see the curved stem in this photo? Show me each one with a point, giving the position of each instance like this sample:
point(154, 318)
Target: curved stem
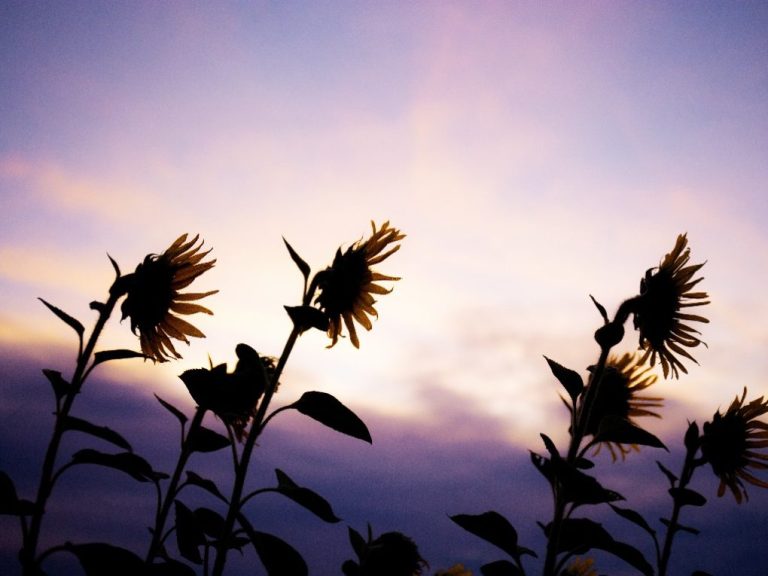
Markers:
point(28, 553)
point(173, 488)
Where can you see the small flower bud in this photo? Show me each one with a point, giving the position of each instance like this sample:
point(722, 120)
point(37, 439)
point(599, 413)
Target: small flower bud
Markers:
point(609, 335)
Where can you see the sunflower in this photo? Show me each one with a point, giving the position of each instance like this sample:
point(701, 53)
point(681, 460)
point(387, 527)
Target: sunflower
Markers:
point(618, 399)
point(391, 554)
point(731, 443)
point(580, 567)
point(153, 297)
point(347, 286)
point(657, 311)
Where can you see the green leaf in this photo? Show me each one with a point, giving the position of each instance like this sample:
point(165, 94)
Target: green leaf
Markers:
point(303, 266)
point(327, 410)
point(128, 462)
point(307, 317)
point(69, 320)
point(635, 518)
point(189, 533)
point(99, 559)
point(687, 497)
point(80, 425)
point(207, 485)
point(279, 558)
point(203, 439)
point(173, 410)
point(305, 497)
point(60, 386)
point(622, 431)
point(500, 568)
point(570, 380)
point(121, 354)
point(491, 527)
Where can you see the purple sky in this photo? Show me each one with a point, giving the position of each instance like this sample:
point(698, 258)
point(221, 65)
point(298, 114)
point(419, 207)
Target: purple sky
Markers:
point(533, 154)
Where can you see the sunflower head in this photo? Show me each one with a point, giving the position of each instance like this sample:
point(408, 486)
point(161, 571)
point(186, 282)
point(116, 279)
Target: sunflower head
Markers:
point(619, 399)
point(583, 566)
point(154, 298)
point(732, 444)
point(232, 396)
point(346, 288)
point(658, 311)
point(391, 554)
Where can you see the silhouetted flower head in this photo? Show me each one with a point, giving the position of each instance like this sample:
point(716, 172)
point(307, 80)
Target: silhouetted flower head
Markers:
point(154, 299)
point(347, 286)
point(731, 443)
point(232, 396)
point(580, 567)
point(658, 315)
point(391, 554)
point(618, 398)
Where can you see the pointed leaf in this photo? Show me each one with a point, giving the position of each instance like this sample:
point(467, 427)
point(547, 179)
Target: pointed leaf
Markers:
point(357, 541)
point(207, 485)
point(9, 501)
point(303, 266)
point(687, 497)
point(491, 527)
point(328, 410)
point(635, 518)
point(173, 410)
point(570, 380)
point(98, 559)
point(279, 558)
point(600, 308)
point(211, 522)
point(622, 431)
point(689, 529)
point(578, 535)
point(670, 476)
point(305, 497)
point(189, 534)
point(500, 568)
point(80, 425)
point(205, 440)
point(60, 386)
point(121, 354)
point(306, 317)
point(132, 464)
point(69, 320)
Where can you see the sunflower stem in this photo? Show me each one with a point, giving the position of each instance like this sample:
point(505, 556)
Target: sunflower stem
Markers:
point(241, 469)
point(28, 554)
point(170, 495)
point(689, 465)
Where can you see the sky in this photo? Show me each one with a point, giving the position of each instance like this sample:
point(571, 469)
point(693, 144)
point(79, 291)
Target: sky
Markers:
point(534, 154)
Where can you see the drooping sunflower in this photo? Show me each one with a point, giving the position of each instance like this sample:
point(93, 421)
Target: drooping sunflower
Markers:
point(346, 288)
point(618, 399)
point(658, 315)
point(731, 444)
point(154, 299)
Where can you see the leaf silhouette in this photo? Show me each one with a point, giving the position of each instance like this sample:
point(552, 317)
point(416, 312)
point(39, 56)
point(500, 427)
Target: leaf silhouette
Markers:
point(279, 557)
point(173, 410)
point(69, 320)
point(59, 384)
point(494, 528)
point(305, 497)
point(571, 381)
point(189, 533)
point(302, 265)
point(122, 354)
point(203, 439)
point(98, 559)
point(327, 410)
point(128, 462)
point(207, 485)
point(80, 425)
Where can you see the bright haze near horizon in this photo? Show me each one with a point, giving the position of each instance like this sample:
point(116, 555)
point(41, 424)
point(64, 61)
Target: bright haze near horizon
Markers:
point(534, 154)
